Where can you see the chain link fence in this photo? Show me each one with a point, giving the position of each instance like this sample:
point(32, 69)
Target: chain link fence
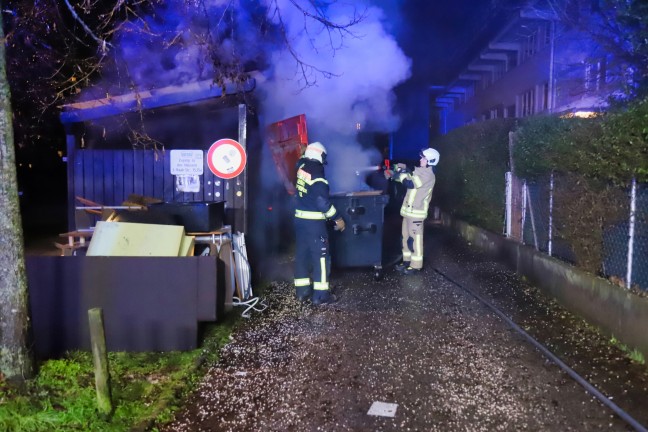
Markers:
point(596, 232)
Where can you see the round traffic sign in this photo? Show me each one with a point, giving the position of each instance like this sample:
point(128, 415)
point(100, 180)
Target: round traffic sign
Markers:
point(226, 158)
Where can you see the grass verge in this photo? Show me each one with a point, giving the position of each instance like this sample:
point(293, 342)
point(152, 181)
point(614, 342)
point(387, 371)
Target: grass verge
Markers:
point(146, 388)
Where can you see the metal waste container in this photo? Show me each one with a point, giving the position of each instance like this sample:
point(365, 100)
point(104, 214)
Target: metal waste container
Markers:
point(196, 217)
point(360, 244)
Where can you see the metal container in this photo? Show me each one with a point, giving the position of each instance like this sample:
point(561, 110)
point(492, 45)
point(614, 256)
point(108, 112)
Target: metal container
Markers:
point(360, 244)
point(196, 217)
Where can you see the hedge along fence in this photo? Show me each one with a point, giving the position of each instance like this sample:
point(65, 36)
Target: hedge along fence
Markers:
point(471, 172)
point(592, 160)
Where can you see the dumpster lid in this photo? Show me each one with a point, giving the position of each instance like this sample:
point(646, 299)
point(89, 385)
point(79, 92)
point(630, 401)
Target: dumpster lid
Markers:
point(359, 193)
point(287, 140)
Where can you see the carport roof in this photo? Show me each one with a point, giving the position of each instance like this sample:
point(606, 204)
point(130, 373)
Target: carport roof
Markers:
point(148, 99)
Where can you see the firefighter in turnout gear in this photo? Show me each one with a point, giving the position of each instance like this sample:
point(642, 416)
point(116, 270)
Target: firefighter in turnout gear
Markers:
point(414, 210)
point(312, 210)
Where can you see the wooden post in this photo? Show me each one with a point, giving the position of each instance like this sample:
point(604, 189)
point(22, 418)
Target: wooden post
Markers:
point(100, 359)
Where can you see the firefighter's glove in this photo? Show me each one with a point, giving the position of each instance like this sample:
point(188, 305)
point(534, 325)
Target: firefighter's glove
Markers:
point(339, 225)
point(389, 174)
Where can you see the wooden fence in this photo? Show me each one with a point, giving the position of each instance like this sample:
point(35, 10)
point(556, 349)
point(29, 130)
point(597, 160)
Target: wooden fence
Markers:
point(109, 177)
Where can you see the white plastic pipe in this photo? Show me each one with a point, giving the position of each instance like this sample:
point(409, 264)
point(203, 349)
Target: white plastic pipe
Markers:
point(524, 209)
point(631, 231)
point(509, 203)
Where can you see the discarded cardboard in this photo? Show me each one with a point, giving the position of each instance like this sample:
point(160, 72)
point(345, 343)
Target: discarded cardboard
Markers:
point(134, 239)
point(187, 246)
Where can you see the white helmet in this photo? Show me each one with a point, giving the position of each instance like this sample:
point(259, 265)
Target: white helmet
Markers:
point(431, 155)
point(316, 151)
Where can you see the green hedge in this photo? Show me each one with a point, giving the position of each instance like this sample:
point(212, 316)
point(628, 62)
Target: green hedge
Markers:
point(470, 176)
point(611, 148)
point(594, 161)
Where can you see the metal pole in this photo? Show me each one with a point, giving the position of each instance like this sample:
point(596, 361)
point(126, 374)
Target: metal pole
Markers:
point(241, 193)
point(631, 231)
point(509, 203)
point(551, 196)
point(551, 95)
point(524, 202)
point(533, 227)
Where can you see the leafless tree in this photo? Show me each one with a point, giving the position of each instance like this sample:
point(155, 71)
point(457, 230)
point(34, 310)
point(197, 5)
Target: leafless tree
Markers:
point(59, 50)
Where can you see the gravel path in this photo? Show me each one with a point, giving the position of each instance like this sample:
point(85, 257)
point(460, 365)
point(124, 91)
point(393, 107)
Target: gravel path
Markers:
point(420, 342)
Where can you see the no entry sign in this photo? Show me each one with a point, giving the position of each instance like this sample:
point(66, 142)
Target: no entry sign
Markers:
point(226, 158)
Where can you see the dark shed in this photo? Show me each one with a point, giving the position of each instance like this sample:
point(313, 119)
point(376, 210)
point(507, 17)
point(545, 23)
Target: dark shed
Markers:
point(119, 145)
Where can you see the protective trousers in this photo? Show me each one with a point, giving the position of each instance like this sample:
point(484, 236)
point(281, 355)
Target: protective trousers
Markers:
point(311, 257)
point(413, 229)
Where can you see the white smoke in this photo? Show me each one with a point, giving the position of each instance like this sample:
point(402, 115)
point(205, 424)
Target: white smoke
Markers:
point(343, 81)
point(365, 67)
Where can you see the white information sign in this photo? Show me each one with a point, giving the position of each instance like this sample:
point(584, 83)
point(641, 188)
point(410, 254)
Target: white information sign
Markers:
point(187, 162)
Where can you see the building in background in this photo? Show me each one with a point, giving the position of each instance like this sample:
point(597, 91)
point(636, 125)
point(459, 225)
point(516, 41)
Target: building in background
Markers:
point(535, 64)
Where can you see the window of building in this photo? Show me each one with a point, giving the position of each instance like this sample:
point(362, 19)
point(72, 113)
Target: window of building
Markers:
point(500, 70)
point(530, 46)
point(509, 112)
point(527, 103)
point(595, 74)
point(470, 91)
point(547, 33)
point(497, 112)
point(545, 96)
point(512, 61)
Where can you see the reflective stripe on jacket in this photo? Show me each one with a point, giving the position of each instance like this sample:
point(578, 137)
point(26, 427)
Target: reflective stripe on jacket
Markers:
point(419, 192)
point(313, 192)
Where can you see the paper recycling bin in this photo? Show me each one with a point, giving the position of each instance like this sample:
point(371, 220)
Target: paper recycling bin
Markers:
point(360, 244)
point(196, 217)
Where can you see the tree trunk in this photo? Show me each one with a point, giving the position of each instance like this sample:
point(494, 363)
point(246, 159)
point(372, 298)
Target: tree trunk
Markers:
point(15, 359)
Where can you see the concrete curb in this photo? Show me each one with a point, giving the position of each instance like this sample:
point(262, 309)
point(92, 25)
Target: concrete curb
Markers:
point(614, 310)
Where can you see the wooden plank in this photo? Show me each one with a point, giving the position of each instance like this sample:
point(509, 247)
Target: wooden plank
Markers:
point(73, 178)
point(138, 172)
point(108, 177)
point(118, 176)
point(97, 180)
point(158, 175)
point(78, 177)
point(148, 172)
point(69, 249)
point(168, 180)
point(144, 100)
point(100, 361)
point(150, 304)
point(88, 176)
point(129, 173)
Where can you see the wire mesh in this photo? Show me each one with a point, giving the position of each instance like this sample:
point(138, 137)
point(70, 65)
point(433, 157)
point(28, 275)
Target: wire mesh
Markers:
point(610, 257)
point(640, 246)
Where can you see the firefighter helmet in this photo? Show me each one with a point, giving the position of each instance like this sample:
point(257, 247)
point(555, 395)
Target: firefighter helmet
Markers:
point(431, 155)
point(316, 151)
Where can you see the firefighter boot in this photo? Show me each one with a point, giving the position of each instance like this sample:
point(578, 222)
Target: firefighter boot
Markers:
point(411, 270)
point(401, 266)
point(303, 293)
point(323, 297)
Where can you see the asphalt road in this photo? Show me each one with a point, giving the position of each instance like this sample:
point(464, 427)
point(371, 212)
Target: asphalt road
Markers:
point(435, 357)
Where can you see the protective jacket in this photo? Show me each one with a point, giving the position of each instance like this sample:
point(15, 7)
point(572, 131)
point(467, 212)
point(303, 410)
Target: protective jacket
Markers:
point(313, 192)
point(419, 192)
point(312, 208)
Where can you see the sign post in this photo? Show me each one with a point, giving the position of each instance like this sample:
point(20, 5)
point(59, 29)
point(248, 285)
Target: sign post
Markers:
point(226, 158)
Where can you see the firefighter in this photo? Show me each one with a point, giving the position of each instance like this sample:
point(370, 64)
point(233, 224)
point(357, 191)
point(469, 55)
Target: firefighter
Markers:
point(414, 210)
point(312, 210)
